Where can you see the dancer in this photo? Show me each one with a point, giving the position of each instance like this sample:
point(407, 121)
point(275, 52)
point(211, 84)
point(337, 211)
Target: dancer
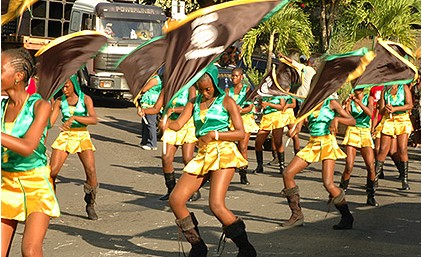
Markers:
point(395, 104)
point(217, 159)
point(27, 194)
point(238, 92)
point(360, 106)
point(274, 121)
point(173, 139)
point(77, 110)
point(322, 125)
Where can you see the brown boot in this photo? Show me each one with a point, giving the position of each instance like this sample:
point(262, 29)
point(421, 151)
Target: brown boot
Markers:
point(293, 198)
point(347, 219)
point(189, 228)
point(90, 195)
point(237, 233)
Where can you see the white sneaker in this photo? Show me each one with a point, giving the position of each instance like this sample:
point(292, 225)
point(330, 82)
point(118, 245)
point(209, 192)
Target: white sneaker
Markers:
point(148, 148)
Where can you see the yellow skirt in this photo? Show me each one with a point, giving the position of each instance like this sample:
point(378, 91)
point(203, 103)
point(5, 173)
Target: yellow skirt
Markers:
point(215, 156)
point(23, 193)
point(273, 121)
point(185, 135)
point(358, 137)
point(321, 148)
point(73, 141)
point(289, 116)
point(378, 129)
point(396, 125)
point(249, 123)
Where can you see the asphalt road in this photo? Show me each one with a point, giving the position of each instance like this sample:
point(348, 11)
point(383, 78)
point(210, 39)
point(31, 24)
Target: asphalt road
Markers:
point(133, 222)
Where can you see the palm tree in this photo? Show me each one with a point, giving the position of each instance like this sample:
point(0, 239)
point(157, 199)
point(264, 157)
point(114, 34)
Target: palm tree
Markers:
point(393, 20)
point(287, 31)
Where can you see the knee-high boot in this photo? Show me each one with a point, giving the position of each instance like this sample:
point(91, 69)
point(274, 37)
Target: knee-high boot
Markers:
point(189, 228)
point(347, 219)
point(170, 180)
point(274, 161)
point(344, 184)
point(370, 191)
point(260, 162)
point(237, 233)
point(293, 198)
point(404, 173)
point(280, 157)
point(243, 176)
point(378, 169)
point(90, 195)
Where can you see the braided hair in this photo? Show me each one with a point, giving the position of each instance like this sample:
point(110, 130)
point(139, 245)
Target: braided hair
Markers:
point(22, 61)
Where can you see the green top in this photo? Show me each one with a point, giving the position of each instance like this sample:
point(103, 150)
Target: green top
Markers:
point(80, 108)
point(241, 97)
point(319, 121)
point(362, 119)
point(217, 117)
point(149, 98)
point(273, 100)
point(24, 120)
point(181, 100)
point(395, 100)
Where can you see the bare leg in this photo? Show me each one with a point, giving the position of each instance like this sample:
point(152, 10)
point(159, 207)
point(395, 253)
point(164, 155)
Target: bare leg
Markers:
point(350, 160)
point(8, 228)
point(168, 158)
point(36, 227)
point(58, 157)
point(368, 157)
point(187, 152)
point(294, 167)
point(88, 161)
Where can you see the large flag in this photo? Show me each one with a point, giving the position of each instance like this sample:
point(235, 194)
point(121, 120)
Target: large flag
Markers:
point(14, 9)
point(139, 65)
point(279, 81)
point(389, 66)
point(199, 39)
point(63, 57)
point(334, 71)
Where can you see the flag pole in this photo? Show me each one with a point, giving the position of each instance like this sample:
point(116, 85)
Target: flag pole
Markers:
point(288, 140)
point(164, 139)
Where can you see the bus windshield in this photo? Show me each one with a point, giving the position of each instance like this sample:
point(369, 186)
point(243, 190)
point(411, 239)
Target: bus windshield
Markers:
point(140, 30)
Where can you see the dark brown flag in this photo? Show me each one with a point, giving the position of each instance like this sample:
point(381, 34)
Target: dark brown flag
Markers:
point(63, 57)
point(389, 66)
point(199, 39)
point(139, 65)
point(334, 72)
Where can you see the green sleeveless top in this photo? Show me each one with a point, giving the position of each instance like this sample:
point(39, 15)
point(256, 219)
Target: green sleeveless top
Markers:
point(181, 100)
point(319, 121)
point(149, 98)
point(273, 100)
point(241, 97)
point(395, 100)
point(217, 117)
point(24, 120)
point(80, 110)
point(362, 120)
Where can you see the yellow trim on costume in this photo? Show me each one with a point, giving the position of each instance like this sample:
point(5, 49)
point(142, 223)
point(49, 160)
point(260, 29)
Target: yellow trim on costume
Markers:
point(386, 44)
point(172, 25)
point(67, 37)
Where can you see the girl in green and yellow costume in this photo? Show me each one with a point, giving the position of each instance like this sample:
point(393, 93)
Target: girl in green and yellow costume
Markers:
point(322, 147)
point(272, 121)
point(27, 193)
point(77, 110)
point(360, 106)
point(395, 104)
point(185, 138)
point(238, 92)
point(217, 158)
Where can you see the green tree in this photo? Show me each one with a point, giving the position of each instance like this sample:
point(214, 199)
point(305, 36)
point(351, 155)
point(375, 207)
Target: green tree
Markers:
point(398, 21)
point(289, 30)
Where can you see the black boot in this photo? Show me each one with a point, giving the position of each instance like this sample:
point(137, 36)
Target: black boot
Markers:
point(344, 184)
point(189, 228)
point(378, 169)
point(260, 162)
point(280, 157)
point(90, 195)
point(195, 196)
point(237, 233)
point(170, 184)
point(293, 198)
point(347, 219)
point(370, 191)
point(274, 161)
point(405, 175)
point(398, 164)
point(243, 176)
